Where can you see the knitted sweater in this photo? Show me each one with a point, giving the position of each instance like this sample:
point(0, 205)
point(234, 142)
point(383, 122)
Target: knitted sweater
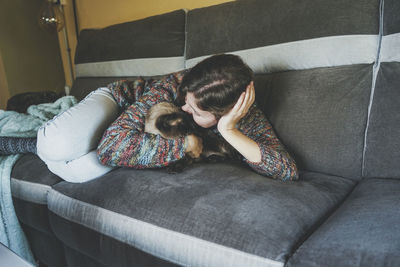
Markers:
point(125, 143)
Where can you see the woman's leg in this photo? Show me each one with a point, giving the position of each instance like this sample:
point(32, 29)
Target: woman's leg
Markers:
point(77, 131)
point(82, 169)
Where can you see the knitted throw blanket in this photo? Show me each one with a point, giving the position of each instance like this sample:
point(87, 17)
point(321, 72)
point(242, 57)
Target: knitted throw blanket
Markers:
point(13, 124)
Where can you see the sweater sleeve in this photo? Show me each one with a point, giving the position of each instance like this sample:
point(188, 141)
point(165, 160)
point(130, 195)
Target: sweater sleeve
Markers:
point(276, 162)
point(126, 92)
point(125, 143)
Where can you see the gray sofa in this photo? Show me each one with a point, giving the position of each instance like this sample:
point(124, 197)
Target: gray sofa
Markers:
point(328, 79)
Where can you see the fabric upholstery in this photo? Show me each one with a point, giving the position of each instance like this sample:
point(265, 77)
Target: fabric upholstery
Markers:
point(47, 248)
point(389, 51)
point(320, 115)
point(391, 18)
point(77, 259)
point(382, 149)
point(382, 155)
point(91, 248)
point(364, 231)
point(30, 183)
point(208, 209)
point(33, 214)
point(30, 169)
point(83, 86)
point(280, 35)
point(150, 46)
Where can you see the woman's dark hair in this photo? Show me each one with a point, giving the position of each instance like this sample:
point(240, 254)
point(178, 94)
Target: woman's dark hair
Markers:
point(216, 83)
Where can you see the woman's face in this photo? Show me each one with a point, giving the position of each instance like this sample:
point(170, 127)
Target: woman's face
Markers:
point(203, 118)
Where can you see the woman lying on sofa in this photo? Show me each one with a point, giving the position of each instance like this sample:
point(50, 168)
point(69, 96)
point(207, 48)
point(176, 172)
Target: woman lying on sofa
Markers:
point(218, 92)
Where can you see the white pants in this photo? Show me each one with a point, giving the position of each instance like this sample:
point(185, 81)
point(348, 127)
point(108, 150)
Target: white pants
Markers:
point(68, 142)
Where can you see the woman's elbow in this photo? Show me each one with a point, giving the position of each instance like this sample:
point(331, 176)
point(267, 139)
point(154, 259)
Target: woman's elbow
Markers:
point(105, 155)
point(291, 173)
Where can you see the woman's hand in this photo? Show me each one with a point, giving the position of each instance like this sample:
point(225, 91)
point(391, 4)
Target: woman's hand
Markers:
point(228, 121)
point(227, 126)
point(195, 146)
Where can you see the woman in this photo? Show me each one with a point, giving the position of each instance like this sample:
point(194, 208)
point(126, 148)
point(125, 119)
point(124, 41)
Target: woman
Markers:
point(218, 92)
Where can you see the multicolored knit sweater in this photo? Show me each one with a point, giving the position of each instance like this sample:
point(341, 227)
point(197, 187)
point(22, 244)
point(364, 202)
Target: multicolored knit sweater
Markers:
point(125, 143)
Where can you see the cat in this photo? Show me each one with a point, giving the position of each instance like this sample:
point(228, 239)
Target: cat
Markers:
point(169, 121)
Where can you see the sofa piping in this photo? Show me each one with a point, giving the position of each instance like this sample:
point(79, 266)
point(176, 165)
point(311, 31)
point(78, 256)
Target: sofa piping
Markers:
point(375, 72)
point(185, 44)
point(30, 191)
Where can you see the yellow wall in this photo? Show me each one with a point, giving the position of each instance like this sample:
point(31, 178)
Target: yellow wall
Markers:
point(102, 13)
point(30, 56)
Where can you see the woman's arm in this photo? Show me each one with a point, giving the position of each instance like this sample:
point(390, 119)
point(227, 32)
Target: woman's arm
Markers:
point(126, 92)
point(124, 143)
point(227, 126)
point(243, 144)
point(275, 161)
point(256, 140)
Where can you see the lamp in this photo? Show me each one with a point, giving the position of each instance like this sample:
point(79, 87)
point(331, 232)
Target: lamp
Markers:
point(51, 18)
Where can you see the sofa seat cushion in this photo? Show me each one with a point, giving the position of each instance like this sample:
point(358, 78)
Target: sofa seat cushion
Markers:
point(31, 181)
point(364, 231)
point(209, 215)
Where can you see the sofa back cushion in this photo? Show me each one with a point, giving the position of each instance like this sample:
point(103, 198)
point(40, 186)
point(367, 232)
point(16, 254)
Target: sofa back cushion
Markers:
point(287, 34)
point(320, 115)
point(151, 46)
point(314, 64)
point(382, 151)
point(83, 86)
